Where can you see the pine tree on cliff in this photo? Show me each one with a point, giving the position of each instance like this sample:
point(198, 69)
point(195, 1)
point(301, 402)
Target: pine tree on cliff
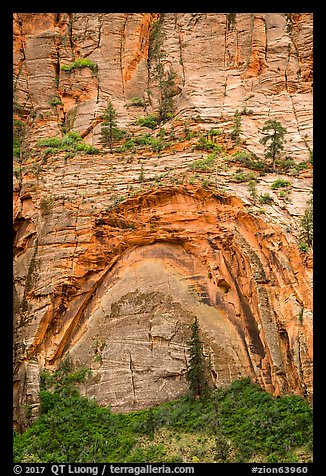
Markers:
point(275, 139)
point(110, 131)
point(235, 134)
point(196, 374)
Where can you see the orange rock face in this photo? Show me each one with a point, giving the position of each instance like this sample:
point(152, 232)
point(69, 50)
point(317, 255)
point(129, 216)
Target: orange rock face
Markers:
point(117, 253)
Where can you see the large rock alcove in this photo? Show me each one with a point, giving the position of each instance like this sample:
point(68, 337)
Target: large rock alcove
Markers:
point(152, 264)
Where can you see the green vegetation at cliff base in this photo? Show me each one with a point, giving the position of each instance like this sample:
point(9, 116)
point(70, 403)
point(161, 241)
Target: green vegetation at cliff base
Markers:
point(241, 423)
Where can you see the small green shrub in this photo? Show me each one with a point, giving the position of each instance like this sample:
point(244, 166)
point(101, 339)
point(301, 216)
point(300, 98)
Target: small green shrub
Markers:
point(49, 142)
point(249, 160)
point(286, 164)
point(280, 183)
point(290, 166)
point(55, 101)
point(136, 102)
point(70, 142)
point(246, 112)
point(203, 164)
point(129, 145)
point(301, 166)
point(145, 140)
point(206, 144)
point(78, 64)
point(242, 176)
point(161, 133)
point(241, 156)
point(148, 121)
point(214, 133)
point(87, 148)
point(265, 199)
point(303, 246)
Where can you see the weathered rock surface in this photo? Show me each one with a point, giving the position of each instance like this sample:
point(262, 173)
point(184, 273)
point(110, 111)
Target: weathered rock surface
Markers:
point(116, 253)
point(259, 61)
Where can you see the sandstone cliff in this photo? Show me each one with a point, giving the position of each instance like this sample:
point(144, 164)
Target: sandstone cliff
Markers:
point(115, 253)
